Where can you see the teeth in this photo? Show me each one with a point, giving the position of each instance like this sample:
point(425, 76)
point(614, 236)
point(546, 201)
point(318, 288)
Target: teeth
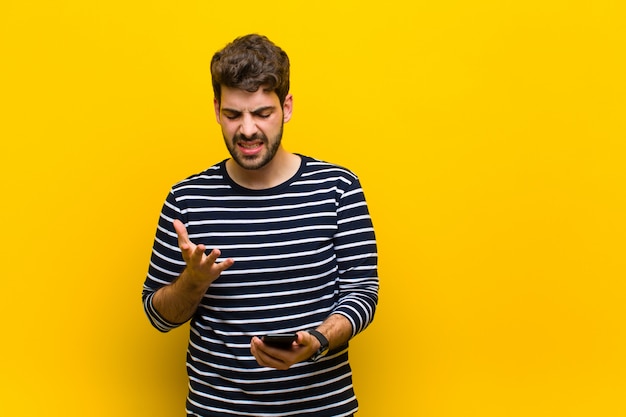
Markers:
point(249, 145)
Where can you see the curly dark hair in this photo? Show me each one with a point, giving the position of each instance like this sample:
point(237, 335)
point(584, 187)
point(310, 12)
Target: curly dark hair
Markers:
point(248, 63)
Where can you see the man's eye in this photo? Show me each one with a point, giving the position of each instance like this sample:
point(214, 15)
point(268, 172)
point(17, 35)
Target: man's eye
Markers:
point(231, 116)
point(264, 115)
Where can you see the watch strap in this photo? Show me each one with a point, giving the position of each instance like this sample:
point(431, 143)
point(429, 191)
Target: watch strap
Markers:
point(323, 350)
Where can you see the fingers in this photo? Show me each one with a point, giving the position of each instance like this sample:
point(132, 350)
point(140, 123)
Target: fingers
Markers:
point(185, 244)
point(195, 256)
point(268, 356)
point(212, 257)
point(224, 265)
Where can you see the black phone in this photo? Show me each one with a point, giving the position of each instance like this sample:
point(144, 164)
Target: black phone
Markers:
point(283, 340)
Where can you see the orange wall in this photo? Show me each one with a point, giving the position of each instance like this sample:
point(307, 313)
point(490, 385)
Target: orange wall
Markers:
point(490, 139)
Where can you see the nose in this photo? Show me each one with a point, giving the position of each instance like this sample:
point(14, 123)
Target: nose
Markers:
point(248, 126)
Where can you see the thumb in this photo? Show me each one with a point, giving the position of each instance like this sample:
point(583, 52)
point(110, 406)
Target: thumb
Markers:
point(183, 237)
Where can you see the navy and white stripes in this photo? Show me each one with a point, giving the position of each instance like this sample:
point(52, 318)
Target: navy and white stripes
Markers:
point(303, 250)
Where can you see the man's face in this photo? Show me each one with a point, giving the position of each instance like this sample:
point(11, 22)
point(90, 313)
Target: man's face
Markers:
point(252, 124)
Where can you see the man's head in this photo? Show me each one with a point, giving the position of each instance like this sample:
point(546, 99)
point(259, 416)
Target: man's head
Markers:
point(252, 100)
point(249, 63)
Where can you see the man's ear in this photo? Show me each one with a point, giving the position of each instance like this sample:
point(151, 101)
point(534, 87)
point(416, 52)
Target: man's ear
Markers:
point(216, 105)
point(287, 108)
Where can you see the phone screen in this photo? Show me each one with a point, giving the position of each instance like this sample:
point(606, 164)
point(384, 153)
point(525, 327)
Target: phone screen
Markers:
point(282, 341)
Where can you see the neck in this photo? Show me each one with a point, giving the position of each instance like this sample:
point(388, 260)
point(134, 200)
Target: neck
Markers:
point(283, 166)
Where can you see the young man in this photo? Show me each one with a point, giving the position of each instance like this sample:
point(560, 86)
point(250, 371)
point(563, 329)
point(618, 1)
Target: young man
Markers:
point(266, 242)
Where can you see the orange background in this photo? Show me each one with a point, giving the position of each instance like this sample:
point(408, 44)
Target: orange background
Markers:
point(490, 139)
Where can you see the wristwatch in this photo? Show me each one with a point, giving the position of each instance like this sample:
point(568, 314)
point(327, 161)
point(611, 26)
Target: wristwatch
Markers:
point(323, 350)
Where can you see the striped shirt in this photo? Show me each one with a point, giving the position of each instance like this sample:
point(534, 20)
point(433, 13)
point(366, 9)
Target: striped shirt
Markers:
point(303, 250)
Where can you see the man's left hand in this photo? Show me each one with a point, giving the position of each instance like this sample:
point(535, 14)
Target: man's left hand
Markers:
point(301, 350)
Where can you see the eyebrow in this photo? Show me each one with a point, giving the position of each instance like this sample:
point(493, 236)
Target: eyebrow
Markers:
point(255, 111)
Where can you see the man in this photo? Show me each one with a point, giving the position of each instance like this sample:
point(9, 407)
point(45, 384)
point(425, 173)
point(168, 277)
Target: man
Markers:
point(265, 242)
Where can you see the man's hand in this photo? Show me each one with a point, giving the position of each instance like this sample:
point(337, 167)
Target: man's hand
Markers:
point(201, 268)
point(302, 349)
point(178, 302)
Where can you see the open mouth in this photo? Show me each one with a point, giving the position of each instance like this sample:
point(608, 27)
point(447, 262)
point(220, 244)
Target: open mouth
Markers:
point(250, 147)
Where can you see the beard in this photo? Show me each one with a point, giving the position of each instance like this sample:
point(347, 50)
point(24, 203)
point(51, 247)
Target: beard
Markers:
point(260, 160)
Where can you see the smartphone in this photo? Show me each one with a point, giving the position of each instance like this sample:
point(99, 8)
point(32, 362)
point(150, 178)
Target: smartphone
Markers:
point(282, 341)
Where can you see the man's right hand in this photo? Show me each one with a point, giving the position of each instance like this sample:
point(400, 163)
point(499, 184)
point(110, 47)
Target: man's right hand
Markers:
point(202, 268)
point(178, 302)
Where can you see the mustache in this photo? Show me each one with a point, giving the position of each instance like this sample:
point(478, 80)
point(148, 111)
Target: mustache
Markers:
point(239, 137)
